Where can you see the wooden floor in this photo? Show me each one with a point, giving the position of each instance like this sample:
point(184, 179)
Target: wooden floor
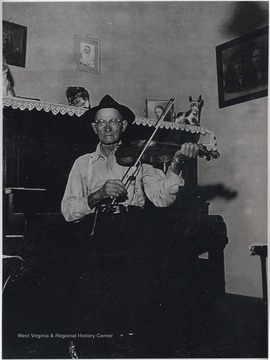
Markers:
point(230, 326)
point(224, 325)
point(236, 328)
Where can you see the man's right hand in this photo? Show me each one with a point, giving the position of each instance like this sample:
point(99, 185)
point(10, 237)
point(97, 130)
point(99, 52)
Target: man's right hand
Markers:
point(111, 188)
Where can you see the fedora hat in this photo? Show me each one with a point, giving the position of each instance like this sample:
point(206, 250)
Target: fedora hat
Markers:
point(108, 102)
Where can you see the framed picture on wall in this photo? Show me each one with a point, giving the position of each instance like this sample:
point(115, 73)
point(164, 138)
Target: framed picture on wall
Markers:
point(14, 43)
point(155, 107)
point(242, 68)
point(87, 54)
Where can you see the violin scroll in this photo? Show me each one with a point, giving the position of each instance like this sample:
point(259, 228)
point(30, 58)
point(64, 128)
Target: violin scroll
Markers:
point(157, 152)
point(208, 154)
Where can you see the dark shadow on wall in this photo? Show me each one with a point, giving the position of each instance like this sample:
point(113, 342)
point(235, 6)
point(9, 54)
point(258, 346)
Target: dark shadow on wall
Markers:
point(188, 203)
point(210, 192)
point(245, 17)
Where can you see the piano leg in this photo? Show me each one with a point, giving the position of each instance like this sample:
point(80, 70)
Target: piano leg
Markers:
point(216, 262)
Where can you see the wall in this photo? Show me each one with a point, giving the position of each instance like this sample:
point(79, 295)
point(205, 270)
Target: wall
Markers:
point(163, 50)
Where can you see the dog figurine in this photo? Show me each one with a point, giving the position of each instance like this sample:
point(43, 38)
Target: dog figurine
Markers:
point(193, 115)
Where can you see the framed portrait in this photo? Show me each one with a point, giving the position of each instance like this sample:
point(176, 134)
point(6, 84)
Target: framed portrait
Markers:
point(87, 54)
point(14, 43)
point(242, 68)
point(155, 107)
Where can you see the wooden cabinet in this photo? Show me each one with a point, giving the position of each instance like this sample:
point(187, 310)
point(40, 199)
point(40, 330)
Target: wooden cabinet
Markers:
point(40, 146)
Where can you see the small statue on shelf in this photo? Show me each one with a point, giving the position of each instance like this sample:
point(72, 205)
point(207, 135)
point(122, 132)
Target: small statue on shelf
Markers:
point(193, 115)
point(78, 96)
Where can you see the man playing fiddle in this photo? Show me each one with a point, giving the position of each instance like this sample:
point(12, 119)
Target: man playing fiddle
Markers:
point(121, 257)
point(96, 177)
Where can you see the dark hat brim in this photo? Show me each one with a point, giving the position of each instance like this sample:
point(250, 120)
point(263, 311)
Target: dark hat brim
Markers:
point(107, 102)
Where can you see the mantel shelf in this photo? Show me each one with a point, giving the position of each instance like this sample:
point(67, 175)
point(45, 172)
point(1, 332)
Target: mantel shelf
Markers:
point(22, 104)
point(209, 138)
point(171, 125)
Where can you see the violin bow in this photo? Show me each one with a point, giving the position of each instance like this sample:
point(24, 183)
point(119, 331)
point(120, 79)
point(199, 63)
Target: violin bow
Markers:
point(126, 178)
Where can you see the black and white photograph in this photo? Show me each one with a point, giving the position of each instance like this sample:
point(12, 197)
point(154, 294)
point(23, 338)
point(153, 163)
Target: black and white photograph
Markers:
point(155, 108)
point(242, 66)
point(14, 43)
point(127, 234)
point(87, 53)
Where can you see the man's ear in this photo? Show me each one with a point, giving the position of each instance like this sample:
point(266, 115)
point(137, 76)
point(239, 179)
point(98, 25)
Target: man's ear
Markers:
point(124, 125)
point(94, 127)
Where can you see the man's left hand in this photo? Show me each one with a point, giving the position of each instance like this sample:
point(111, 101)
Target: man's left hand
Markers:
point(187, 151)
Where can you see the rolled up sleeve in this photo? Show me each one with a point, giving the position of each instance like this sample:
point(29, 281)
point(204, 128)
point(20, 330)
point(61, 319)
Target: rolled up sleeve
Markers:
point(74, 204)
point(173, 182)
point(161, 189)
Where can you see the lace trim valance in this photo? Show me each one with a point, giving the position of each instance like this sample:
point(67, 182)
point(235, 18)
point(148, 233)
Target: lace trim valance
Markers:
point(170, 125)
point(209, 138)
point(22, 104)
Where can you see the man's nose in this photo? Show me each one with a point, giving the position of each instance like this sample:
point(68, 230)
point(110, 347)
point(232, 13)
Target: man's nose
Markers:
point(108, 127)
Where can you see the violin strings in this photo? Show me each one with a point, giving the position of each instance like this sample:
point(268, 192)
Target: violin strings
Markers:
point(138, 160)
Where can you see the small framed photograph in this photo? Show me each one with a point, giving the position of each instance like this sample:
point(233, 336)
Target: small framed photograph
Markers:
point(14, 43)
point(242, 68)
point(87, 54)
point(155, 107)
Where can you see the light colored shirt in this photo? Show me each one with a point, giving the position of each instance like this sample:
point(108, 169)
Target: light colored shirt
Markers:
point(90, 172)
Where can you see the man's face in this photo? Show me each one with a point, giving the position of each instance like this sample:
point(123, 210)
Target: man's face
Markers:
point(109, 134)
point(257, 57)
point(238, 68)
point(158, 111)
point(87, 50)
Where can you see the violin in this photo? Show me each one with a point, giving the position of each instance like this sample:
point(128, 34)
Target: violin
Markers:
point(156, 152)
point(132, 153)
point(143, 144)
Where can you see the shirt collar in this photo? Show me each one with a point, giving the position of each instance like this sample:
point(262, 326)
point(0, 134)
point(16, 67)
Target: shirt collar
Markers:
point(99, 154)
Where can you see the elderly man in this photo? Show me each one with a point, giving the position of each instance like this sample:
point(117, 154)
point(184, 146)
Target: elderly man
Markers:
point(121, 258)
point(96, 177)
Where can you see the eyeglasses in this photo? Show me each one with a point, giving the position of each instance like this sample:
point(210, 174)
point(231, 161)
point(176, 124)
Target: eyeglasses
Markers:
point(114, 123)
